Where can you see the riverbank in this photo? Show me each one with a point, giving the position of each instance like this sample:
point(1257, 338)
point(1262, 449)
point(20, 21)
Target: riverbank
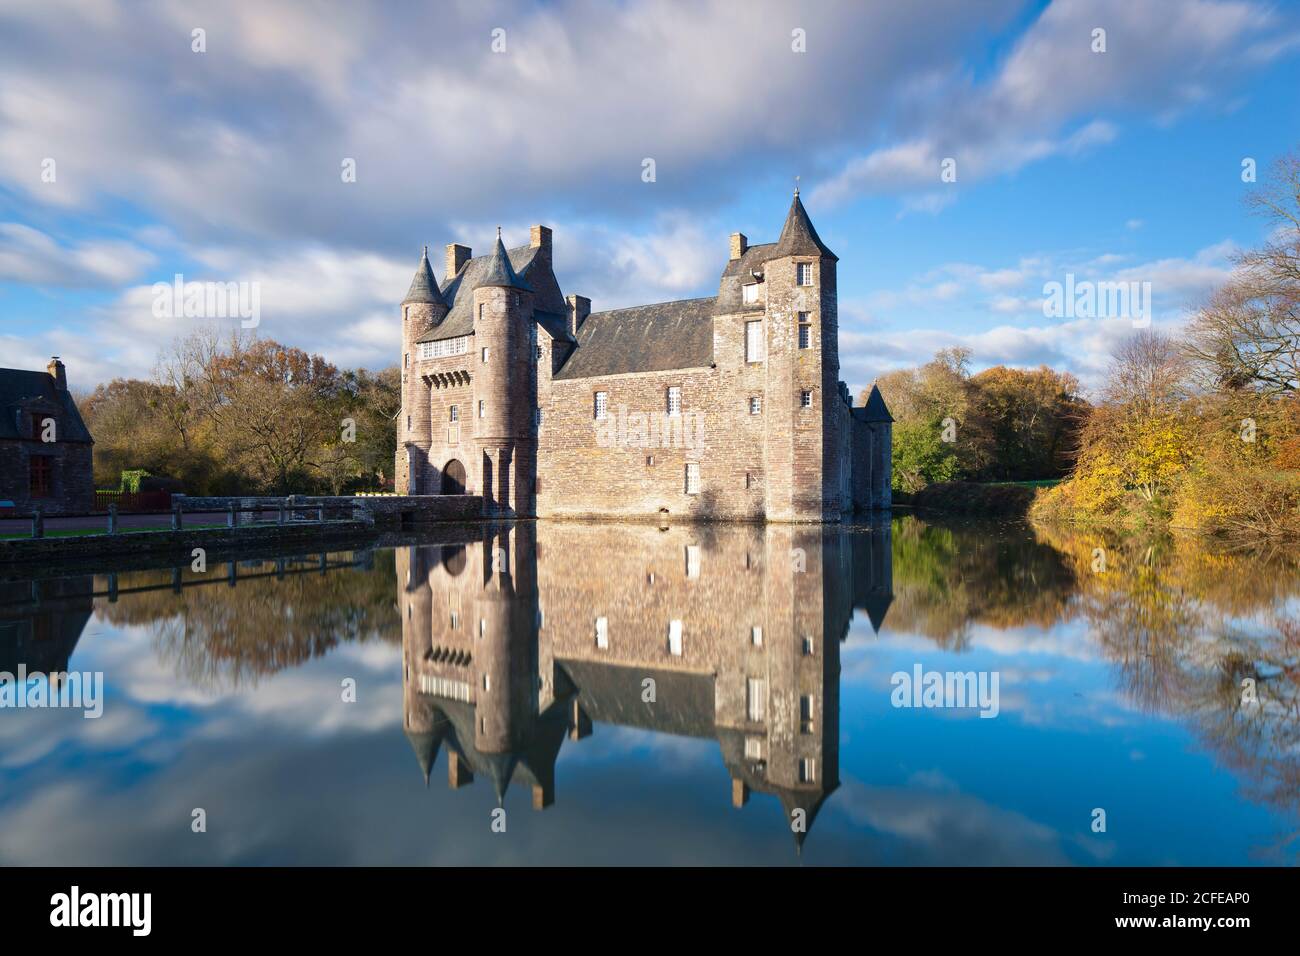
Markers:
point(1001, 499)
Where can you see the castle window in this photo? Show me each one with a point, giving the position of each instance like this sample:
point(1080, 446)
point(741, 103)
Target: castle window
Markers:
point(408, 423)
point(807, 770)
point(805, 331)
point(602, 633)
point(537, 416)
point(481, 310)
point(406, 360)
point(485, 354)
point(601, 404)
point(453, 413)
point(749, 293)
point(753, 748)
point(674, 400)
point(805, 399)
point(456, 346)
point(537, 353)
point(692, 560)
point(42, 476)
point(806, 714)
point(756, 700)
point(753, 341)
point(756, 636)
point(809, 650)
point(804, 273)
point(755, 405)
point(482, 408)
point(675, 638)
point(692, 477)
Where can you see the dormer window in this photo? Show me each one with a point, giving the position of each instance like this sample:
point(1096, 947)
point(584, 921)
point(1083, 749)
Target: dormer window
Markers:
point(749, 293)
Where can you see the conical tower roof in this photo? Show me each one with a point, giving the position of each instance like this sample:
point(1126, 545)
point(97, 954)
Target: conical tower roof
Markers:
point(798, 237)
point(875, 410)
point(424, 287)
point(500, 272)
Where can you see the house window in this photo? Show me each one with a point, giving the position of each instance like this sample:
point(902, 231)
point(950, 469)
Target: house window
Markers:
point(42, 476)
point(754, 341)
point(674, 400)
point(486, 350)
point(692, 477)
point(692, 560)
point(601, 404)
point(756, 700)
point(756, 636)
point(807, 770)
point(805, 331)
point(749, 293)
point(804, 273)
point(675, 638)
point(453, 413)
point(755, 405)
point(482, 408)
point(602, 632)
point(805, 398)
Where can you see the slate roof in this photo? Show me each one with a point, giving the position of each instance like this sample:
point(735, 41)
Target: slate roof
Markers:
point(611, 694)
point(645, 338)
point(18, 386)
point(798, 237)
point(424, 287)
point(458, 290)
point(875, 410)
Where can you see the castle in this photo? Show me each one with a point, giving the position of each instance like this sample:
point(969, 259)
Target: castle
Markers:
point(724, 407)
point(534, 634)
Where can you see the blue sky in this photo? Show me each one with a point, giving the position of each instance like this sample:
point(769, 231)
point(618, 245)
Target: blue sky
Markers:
point(224, 165)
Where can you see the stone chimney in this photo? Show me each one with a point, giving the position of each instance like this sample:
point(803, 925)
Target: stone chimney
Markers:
point(58, 373)
point(457, 256)
point(738, 244)
point(579, 309)
point(539, 237)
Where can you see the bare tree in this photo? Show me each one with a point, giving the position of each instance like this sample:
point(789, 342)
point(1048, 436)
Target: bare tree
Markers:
point(1247, 335)
point(1148, 371)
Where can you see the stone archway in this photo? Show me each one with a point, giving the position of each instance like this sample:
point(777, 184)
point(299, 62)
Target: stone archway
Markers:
point(453, 478)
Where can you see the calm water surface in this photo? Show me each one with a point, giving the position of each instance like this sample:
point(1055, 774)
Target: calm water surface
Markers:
point(635, 695)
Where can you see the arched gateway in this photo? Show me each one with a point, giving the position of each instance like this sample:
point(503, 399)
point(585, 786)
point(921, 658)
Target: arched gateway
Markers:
point(453, 478)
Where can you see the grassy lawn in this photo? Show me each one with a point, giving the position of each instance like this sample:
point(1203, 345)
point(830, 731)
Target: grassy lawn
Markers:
point(87, 532)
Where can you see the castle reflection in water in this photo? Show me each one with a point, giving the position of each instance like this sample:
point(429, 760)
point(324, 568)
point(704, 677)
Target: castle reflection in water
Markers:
point(538, 632)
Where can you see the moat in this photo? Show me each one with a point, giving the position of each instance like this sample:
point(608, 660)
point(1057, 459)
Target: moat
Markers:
point(716, 694)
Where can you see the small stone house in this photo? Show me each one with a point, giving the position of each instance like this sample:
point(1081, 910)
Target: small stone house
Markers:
point(45, 447)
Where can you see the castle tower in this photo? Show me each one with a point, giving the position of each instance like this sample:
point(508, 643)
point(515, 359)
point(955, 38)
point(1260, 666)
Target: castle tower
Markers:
point(422, 309)
point(803, 419)
point(504, 388)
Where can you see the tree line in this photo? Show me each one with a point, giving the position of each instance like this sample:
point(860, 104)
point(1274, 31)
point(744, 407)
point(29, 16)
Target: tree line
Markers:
point(236, 414)
point(1196, 428)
